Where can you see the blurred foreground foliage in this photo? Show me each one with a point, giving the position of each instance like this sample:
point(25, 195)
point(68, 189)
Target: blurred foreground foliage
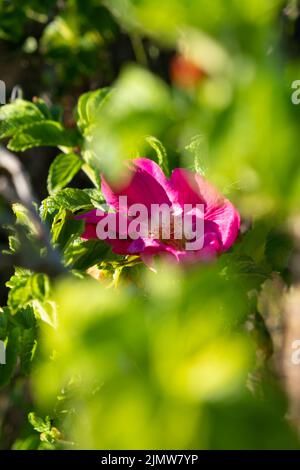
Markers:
point(181, 358)
point(164, 365)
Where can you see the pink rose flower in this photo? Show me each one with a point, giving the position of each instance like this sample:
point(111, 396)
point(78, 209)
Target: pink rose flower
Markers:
point(148, 185)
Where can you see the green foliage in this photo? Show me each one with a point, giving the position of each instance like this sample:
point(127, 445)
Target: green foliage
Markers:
point(38, 423)
point(82, 255)
point(89, 107)
point(182, 357)
point(26, 287)
point(16, 115)
point(46, 133)
point(139, 104)
point(136, 356)
point(62, 171)
point(48, 433)
point(65, 228)
point(160, 152)
point(14, 16)
point(71, 199)
point(30, 125)
point(75, 38)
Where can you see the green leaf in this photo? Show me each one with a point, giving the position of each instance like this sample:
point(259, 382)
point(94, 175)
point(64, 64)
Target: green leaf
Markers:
point(160, 152)
point(91, 169)
point(197, 149)
point(19, 292)
point(56, 112)
point(26, 287)
point(26, 318)
point(84, 254)
point(15, 115)
point(13, 244)
point(71, 199)
point(40, 286)
point(39, 424)
point(45, 311)
point(27, 349)
point(42, 106)
point(23, 218)
point(88, 107)
point(65, 228)
point(45, 133)
point(62, 170)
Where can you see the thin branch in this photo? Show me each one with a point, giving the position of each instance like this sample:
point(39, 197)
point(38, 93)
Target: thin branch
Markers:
point(22, 192)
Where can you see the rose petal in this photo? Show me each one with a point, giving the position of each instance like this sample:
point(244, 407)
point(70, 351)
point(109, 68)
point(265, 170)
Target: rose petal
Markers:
point(147, 185)
point(194, 189)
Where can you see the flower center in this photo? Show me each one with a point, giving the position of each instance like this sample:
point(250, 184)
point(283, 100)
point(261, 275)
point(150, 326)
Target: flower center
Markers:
point(169, 232)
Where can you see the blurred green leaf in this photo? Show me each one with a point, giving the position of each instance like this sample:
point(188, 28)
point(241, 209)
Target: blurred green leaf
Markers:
point(39, 424)
point(89, 107)
point(160, 152)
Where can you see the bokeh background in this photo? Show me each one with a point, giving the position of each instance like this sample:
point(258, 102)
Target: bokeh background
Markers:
point(196, 358)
